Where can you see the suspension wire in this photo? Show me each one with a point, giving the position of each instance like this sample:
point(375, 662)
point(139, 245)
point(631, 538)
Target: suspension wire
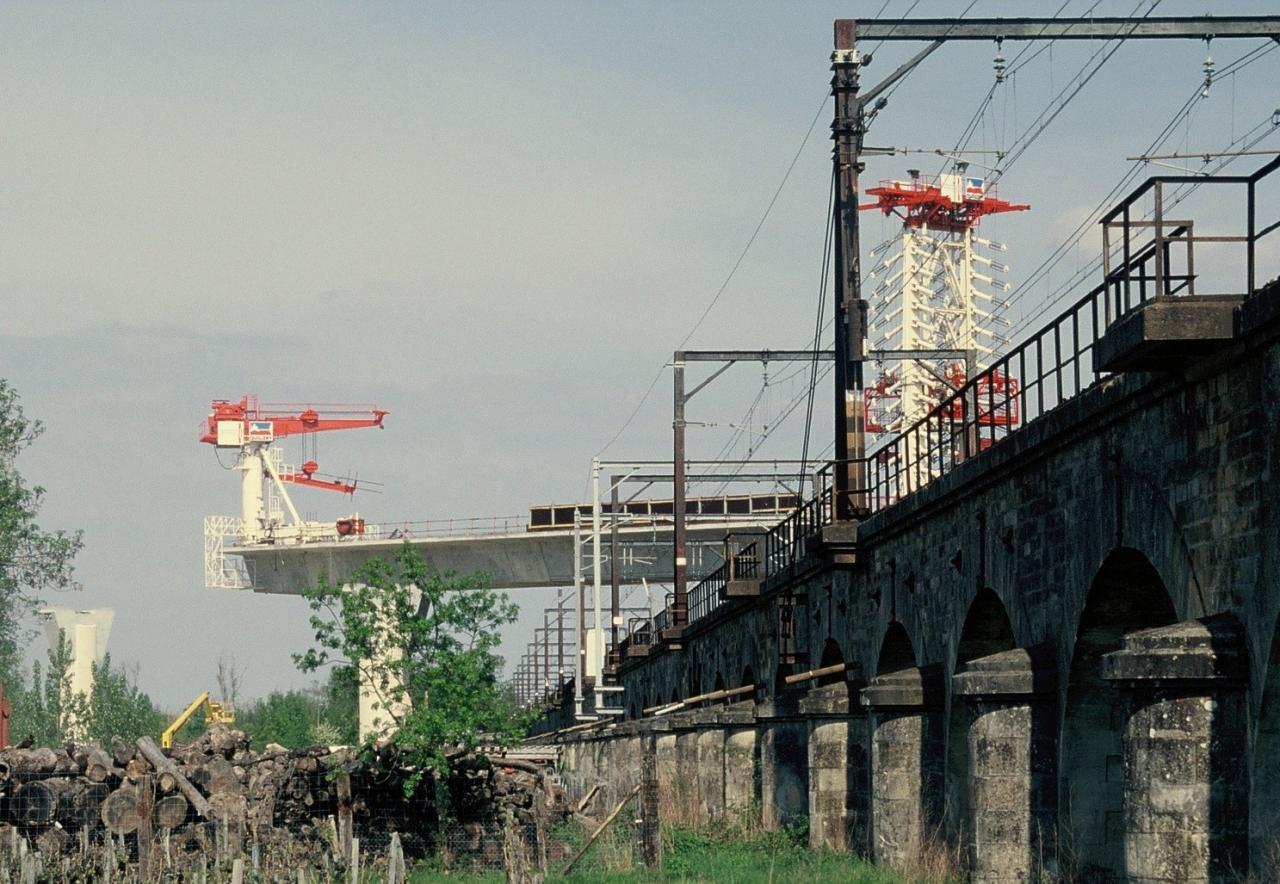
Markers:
point(1079, 232)
point(1073, 238)
point(813, 383)
point(728, 278)
point(1028, 137)
point(1177, 196)
point(817, 330)
point(979, 115)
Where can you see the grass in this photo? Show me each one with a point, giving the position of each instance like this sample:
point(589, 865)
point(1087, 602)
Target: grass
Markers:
point(768, 858)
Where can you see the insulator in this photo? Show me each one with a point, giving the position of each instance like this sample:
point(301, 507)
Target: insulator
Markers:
point(1208, 73)
point(998, 62)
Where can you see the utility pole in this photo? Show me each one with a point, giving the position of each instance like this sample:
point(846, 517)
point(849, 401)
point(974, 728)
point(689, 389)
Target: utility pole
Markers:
point(615, 567)
point(580, 591)
point(847, 129)
point(680, 584)
point(598, 651)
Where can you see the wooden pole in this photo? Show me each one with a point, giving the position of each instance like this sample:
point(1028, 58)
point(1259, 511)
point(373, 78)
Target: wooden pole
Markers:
point(599, 829)
point(164, 765)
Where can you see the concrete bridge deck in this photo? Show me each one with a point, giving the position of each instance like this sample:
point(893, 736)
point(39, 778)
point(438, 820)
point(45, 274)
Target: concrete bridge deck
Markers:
point(513, 557)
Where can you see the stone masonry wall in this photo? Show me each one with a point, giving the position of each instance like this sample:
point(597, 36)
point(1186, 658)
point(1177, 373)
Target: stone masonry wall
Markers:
point(1160, 487)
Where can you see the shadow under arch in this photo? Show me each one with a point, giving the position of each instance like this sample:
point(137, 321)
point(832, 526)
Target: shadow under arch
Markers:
point(896, 650)
point(986, 631)
point(1126, 595)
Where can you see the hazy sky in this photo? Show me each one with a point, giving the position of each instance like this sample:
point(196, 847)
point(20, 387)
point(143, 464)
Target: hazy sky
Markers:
point(496, 220)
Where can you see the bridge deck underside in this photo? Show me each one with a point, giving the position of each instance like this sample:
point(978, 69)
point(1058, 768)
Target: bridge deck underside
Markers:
point(520, 560)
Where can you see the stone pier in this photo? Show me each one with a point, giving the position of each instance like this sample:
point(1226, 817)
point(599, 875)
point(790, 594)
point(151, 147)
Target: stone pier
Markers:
point(906, 763)
point(1186, 784)
point(839, 812)
point(741, 763)
point(1009, 795)
point(784, 763)
point(686, 806)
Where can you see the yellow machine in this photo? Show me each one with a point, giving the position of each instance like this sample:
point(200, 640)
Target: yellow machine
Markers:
point(213, 711)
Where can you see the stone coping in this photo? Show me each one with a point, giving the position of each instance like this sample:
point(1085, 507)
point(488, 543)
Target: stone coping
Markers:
point(1207, 649)
point(914, 688)
point(1016, 672)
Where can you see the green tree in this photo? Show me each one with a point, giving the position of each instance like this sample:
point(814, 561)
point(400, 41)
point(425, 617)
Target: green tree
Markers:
point(42, 705)
point(117, 707)
point(31, 560)
point(46, 710)
point(424, 643)
point(338, 699)
point(284, 718)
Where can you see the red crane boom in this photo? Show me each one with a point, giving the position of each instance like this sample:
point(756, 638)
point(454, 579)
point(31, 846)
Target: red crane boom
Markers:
point(265, 422)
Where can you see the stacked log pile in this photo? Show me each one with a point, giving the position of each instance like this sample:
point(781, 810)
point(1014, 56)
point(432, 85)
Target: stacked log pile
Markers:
point(216, 799)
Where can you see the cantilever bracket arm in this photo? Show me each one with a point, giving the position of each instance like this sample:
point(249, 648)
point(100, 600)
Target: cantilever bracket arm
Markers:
point(903, 69)
point(715, 374)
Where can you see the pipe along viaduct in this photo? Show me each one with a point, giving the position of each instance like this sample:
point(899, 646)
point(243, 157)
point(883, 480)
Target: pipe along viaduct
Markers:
point(1051, 651)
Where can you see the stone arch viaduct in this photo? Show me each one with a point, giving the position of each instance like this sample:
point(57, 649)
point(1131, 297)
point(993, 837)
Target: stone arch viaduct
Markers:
point(1059, 655)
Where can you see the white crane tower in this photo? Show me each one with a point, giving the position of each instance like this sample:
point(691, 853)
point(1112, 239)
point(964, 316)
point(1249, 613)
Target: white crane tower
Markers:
point(937, 291)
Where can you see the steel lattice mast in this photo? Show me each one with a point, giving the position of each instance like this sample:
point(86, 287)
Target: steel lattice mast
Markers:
point(938, 291)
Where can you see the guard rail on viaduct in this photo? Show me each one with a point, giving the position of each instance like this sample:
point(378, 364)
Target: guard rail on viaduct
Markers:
point(1047, 650)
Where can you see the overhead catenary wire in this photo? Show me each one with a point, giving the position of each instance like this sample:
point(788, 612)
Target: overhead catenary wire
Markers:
point(728, 278)
point(1065, 247)
point(1175, 197)
point(817, 327)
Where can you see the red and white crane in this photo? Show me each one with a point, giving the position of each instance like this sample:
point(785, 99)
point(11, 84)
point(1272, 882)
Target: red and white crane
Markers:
point(936, 291)
point(251, 428)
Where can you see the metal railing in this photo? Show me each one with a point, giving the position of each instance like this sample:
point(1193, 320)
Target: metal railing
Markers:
point(791, 539)
point(1050, 367)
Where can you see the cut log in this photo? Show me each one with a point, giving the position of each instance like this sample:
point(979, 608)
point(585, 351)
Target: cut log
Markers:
point(52, 841)
point(79, 800)
point(166, 782)
point(98, 765)
point(120, 811)
point(33, 803)
point(171, 811)
point(152, 753)
point(218, 775)
point(122, 751)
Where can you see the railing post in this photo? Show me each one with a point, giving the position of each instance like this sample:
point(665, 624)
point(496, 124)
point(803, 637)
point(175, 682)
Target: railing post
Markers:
point(1249, 243)
point(1125, 269)
point(1161, 286)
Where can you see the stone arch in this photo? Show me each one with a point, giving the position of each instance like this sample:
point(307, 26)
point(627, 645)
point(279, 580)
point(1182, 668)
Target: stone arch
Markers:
point(1127, 594)
point(986, 630)
point(1264, 798)
point(896, 650)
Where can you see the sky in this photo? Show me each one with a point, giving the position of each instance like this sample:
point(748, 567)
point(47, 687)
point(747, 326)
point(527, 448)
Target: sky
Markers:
point(495, 220)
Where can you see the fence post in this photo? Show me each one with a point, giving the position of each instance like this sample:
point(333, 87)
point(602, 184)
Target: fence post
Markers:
point(395, 860)
point(650, 830)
